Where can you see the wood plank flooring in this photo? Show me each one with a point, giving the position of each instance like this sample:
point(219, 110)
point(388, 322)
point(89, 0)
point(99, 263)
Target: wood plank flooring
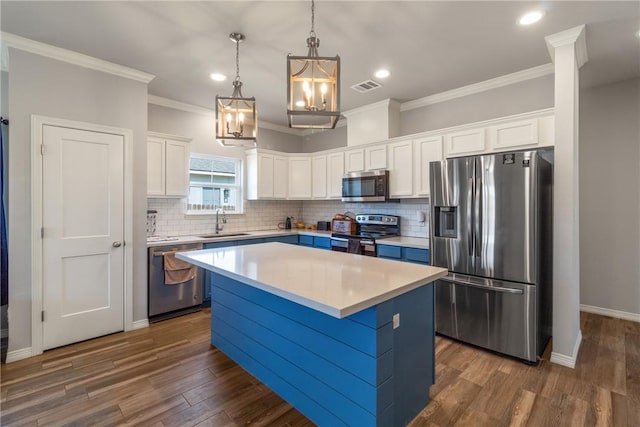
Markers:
point(169, 375)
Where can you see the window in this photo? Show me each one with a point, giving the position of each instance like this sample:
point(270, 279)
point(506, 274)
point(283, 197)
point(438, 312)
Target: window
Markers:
point(214, 182)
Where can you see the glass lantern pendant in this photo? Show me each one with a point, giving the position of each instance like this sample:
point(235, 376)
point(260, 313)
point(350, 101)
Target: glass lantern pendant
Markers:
point(236, 117)
point(313, 88)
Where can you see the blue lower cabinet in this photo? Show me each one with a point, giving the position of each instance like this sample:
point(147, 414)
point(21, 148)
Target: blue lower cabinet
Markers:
point(305, 240)
point(249, 241)
point(322, 242)
point(420, 256)
point(392, 252)
point(284, 239)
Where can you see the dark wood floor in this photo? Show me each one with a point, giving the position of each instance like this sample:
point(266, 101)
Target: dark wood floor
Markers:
point(169, 375)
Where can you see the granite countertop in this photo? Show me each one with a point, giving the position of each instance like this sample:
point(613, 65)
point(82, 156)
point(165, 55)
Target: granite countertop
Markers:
point(334, 283)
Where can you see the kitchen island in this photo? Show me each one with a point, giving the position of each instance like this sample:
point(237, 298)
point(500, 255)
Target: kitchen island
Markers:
point(346, 339)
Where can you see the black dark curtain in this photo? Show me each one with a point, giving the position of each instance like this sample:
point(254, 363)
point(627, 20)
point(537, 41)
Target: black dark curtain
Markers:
point(4, 261)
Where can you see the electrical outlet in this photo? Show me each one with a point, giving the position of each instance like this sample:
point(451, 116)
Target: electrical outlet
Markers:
point(396, 321)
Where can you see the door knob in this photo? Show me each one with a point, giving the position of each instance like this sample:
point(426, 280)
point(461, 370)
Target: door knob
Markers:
point(117, 244)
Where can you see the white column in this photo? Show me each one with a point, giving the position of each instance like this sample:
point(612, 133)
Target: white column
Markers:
point(569, 53)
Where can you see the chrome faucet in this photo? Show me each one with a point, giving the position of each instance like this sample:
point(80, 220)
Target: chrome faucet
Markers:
point(224, 220)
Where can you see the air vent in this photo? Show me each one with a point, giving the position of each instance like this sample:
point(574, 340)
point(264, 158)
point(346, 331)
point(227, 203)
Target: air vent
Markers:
point(366, 86)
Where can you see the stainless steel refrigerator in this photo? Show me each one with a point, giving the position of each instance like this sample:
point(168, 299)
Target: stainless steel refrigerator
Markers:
point(491, 227)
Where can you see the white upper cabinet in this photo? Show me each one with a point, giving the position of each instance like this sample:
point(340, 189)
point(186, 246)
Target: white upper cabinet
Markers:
point(266, 175)
point(354, 160)
point(299, 177)
point(167, 165)
point(280, 177)
point(319, 177)
point(426, 150)
point(365, 159)
point(335, 171)
point(375, 157)
point(400, 169)
point(470, 141)
point(515, 134)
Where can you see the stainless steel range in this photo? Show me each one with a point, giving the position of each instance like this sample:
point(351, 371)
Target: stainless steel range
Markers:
point(369, 228)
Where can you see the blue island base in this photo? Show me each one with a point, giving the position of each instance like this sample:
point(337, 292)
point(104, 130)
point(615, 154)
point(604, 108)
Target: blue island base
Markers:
point(356, 371)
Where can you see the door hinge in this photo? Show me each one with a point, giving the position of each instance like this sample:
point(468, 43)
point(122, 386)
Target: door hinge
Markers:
point(42, 149)
point(42, 232)
point(42, 315)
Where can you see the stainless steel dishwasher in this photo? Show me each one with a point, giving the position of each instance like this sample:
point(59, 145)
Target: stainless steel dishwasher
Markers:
point(166, 301)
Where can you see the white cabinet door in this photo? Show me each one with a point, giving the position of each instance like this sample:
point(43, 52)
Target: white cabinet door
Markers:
point(167, 166)
point(514, 134)
point(177, 168)
point(299, 178)
point(335, 170)
point(280, 168)
point(319, 177)
point(354, 160)
point(155, 166)
point(426, 150)
point(470, 141)
point(401, 169)
point(265, 176)
point(375, 157)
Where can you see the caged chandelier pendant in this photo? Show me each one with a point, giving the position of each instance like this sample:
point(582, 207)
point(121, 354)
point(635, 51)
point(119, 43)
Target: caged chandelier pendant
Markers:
point(313, 86)
point(236, 117)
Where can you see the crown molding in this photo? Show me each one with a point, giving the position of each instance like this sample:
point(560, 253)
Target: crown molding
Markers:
point(190, 108)
point(74, 58)
point(575, 35)
point(508, 79)
point(391, 103)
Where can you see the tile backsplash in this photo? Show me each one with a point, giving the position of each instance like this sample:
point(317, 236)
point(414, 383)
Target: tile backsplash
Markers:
point(267, 214)
point(407, 210)
point(259, 215)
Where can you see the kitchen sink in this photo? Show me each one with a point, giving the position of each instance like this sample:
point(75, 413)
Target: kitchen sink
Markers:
point(213, 236)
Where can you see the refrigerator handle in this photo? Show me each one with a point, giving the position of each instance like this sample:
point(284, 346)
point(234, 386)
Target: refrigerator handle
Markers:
point(478, 217)
point(469, 216)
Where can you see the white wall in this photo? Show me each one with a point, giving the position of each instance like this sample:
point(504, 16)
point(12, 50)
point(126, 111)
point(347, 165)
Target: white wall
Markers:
point(201, 128)
point(44, 86)
point(530, 95)
point(610, 197)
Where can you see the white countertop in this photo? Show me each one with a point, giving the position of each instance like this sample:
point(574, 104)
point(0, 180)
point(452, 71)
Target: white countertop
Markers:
point(334, 283)
point(230, 236)
point(407, 242)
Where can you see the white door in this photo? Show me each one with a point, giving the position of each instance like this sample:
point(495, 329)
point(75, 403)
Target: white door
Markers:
point(83, 226)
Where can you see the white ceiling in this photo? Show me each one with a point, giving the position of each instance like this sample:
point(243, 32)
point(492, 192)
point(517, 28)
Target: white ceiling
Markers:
point(429, 46)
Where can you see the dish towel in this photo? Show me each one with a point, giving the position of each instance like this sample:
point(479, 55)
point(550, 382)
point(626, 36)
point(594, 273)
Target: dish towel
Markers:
point(177, 271)
point(353, 247)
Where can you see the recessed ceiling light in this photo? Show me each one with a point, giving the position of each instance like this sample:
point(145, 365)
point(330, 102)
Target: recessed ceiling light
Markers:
point(638, 33)
point(382, 73)
point(218, 77)
point(531, 17)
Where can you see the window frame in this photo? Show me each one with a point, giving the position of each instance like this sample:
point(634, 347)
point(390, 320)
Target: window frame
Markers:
point(238, 186)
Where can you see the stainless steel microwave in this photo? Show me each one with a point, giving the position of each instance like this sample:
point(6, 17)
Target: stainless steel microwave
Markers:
point(366, 186)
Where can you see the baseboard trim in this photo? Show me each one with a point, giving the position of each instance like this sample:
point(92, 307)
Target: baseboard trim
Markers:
point(140, 324)
point(15, 355)
point(634, 317)
point(568, 361)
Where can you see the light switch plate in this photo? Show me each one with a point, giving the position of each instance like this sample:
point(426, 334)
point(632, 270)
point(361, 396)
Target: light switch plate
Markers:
point(396, 321)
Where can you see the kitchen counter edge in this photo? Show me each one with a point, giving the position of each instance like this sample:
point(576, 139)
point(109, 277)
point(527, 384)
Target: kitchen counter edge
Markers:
point(183, 240)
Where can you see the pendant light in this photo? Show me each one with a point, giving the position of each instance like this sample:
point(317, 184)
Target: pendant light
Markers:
point(236, 117)
point(313, 87)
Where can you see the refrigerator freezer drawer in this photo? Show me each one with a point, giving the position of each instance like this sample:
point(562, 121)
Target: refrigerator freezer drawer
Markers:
point(498, 318)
